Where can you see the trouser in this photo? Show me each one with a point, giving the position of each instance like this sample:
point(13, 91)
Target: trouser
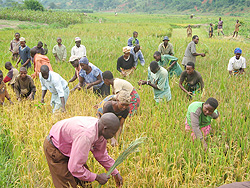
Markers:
point(58, 166)
point(56, 100)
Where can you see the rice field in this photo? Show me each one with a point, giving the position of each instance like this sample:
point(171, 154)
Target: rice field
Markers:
point(168, 158)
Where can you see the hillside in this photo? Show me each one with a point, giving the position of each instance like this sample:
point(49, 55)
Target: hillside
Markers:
point(150, 6)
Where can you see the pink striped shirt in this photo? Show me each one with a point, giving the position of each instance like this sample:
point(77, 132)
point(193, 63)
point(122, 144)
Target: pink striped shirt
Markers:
point(75, 137)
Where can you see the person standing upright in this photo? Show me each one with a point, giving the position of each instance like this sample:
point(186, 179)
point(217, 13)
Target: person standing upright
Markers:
point(14, 46)
point(237, 27)
point(189, 31)
point(220, 27)
point(78, 50)
point(190, 53)
point(59, 50)
point(24, 54)
point(132, 41)
point(165, 47)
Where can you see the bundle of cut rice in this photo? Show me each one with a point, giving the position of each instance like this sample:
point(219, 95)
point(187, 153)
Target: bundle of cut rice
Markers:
point(131, 148)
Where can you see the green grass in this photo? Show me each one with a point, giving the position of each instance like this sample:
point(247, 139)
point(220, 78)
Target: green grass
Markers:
point(169, 158)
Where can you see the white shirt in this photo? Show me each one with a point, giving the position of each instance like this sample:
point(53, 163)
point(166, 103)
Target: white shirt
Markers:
point(55, 83)
point(236, 64)
point(79, 52)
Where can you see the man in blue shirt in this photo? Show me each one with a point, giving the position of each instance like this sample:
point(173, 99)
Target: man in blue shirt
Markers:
point(56, 85)
point(137, 55)
point(132, 41)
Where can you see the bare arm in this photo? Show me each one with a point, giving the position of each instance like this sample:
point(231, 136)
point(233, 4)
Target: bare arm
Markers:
point(28, 60)
point(43, 95)
point(183, 89)
point(98, 81)
point(18, 61)
point(198, 54)
point(63, 103)
point(73, 78)
point(170, 67)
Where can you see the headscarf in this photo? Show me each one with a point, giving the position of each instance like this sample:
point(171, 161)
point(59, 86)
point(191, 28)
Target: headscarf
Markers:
point(84, 60)
point(124, 96)
point(237, 51)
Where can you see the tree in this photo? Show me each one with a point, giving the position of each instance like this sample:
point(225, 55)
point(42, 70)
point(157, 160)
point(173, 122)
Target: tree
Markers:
point(33, 5)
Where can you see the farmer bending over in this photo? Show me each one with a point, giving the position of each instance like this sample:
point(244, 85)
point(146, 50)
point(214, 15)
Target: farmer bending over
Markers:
point(56, 85)
point(120, 84)
point(24, 86)
point(198, 118)
point(68, 145)
point(126, 63)
point(3, 90)
point(12, 74)
point(192, 80)
point(39, 60)
point(119, 105)
point(158, 80)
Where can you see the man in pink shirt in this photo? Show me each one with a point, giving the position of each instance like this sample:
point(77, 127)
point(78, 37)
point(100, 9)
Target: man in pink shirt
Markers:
point(68, 144)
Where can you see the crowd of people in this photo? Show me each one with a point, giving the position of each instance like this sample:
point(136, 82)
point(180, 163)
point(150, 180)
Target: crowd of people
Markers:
point(69, 141)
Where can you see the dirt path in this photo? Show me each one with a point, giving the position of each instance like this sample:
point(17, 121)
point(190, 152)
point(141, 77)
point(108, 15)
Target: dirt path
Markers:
point(14, 24)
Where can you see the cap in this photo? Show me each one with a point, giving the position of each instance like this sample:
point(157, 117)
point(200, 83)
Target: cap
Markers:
point(77, 39)
point(73, 58)
point(22, 39)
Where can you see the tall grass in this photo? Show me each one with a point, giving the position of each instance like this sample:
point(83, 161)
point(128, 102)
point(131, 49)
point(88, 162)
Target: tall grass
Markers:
point(169, 159)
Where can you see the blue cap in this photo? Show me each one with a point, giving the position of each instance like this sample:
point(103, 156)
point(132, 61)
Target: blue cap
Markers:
point(237, 51)
point(84, 60)
point(166, 38)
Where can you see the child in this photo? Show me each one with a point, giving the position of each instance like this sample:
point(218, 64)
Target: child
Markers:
point(12, 74)
point(199, 116)
point(237, 28)
point(119, 105)
point(14, 46)
point(24, 86)
point(59, 50)
point(211, 30)
point(24, 52)
point(3, 90)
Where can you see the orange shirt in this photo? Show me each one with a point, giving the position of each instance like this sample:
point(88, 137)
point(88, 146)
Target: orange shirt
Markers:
point(3, 92)
point(40, 60)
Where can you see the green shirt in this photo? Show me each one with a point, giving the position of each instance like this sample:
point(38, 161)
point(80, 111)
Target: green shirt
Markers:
point(161, 80)
point(166, 61)
point(196, 118)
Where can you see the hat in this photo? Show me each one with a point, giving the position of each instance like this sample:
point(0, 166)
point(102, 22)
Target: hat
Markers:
point(73, 58)
point(166, 38)
point(126, 49)
point(124, 96)
point(22, 39)
point(77, 39)
point(84, 60)
point(237, 51)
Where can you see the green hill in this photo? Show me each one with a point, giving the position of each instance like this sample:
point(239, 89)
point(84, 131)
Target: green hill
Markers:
point(150, 6)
